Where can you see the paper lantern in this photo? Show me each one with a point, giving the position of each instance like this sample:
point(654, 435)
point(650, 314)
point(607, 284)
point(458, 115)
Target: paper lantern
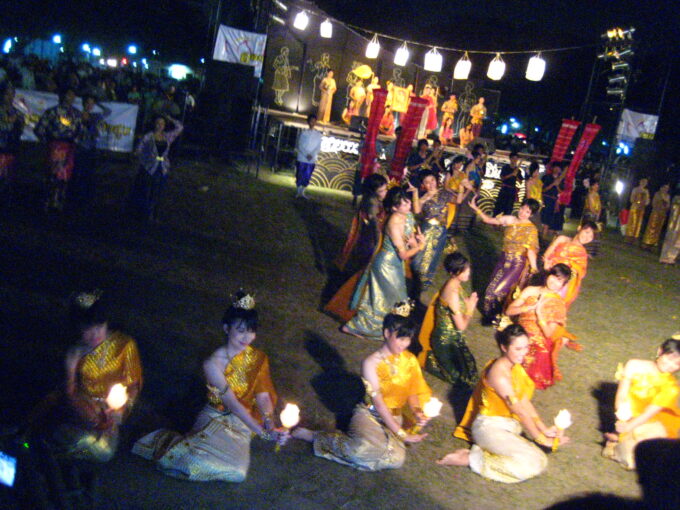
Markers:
point(326, 29)
point(301, 20)
point(401, 56)
point(433, 61)
point(462, 69)
point(496, 68)
point(535, 68)
point(373, 47)
point(290, 416)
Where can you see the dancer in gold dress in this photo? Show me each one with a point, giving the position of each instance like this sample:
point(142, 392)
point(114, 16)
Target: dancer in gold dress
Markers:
point(241, 400)
point(639, 200)
point(646, 403)
point(376, 438)
point(661, 203)
point(499, 410)
point(671, 243)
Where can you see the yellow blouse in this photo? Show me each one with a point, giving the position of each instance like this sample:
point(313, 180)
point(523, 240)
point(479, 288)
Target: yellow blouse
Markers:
point(247, 374)
point(115, 360)
point(535, 190)
point(593, 203)
point(519, 238)
point(487, 402)
point(400, 377)
point(659, 389)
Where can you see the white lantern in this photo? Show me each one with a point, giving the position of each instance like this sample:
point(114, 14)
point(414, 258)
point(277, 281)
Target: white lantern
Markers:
point(496, 68)
point(462, 69)
point(326, 29)
point(290, 416)
point(373, 47)
point(563, 419)
point(433, 61)
point(401, 56)
point(535, 69)
point(117, 396)
point(301, 20)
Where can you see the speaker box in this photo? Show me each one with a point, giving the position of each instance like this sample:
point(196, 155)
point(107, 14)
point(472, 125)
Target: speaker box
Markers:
point(224, 107)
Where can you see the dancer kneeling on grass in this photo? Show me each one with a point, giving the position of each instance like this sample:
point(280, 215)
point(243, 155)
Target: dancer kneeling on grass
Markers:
point(376, 439)
point(646, 403)
point(496, 414)
point(241, 400)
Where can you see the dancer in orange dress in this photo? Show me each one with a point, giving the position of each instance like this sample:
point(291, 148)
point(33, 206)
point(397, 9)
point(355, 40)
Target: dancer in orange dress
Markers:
point(572, 252)
point(543, 314)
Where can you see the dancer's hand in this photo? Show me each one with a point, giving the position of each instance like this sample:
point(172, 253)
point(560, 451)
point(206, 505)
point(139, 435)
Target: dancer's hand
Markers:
point(471, 302)
point(420, 238)
point(622, 427)
point(414, 438)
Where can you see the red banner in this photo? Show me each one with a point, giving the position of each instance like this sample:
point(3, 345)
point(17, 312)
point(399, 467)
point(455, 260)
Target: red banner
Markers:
point(589, 134)
point(368, 152)
point(563, 140)
point(408, 132)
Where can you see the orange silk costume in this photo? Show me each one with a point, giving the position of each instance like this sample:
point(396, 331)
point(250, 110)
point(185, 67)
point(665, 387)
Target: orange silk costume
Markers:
point(247, 374)
point(487, 402)
point(541, 360)
point(576, 257)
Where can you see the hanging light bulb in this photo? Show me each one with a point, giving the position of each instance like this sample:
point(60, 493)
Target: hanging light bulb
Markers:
point(535, 68)
point(496, 68)
point(433, 61)
point(373, 47)
point(401, 56)
point(301, 20)
point(326, 29)
point(462, 69)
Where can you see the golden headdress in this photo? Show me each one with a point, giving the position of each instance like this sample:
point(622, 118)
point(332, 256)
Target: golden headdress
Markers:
point(247, 302)
point(87, 300)
point(403, 308)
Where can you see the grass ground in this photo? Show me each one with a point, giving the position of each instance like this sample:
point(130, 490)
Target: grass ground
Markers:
point(222, 230)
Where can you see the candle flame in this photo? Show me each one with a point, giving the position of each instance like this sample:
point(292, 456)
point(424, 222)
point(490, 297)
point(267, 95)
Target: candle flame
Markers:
point(563, 419)
point(117, 397)
point(624, 412)
point(432, 408)
point(290, 416)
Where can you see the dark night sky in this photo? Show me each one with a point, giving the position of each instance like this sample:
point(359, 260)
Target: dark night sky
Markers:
point(178, 28)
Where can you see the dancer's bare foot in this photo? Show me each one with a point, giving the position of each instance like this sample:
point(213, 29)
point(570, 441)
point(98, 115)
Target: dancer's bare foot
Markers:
point(347, 331)
point(302, 433)
point(457, 458)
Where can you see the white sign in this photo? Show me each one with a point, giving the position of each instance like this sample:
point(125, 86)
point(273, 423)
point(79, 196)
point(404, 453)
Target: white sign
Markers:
point(333, 144)
point(635, 125)
point(116, 132)
point(240, 47)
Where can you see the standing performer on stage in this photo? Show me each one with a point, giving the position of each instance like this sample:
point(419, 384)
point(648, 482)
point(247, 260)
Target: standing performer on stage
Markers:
point(543, 314)
point(328, 88)
point(241, 401)
point(661, 203)
point(499, 410)
point(445, 353)
point(434, 208)
point(639, 200)
point(646, 403)
point(307, 149)
point(507, 195)
point(478, 114)
point(671, 244)
point(376, 439)
point(572, 252)
point(59, 126)
point(449, 109)
point(520, 248)
point(384, 281)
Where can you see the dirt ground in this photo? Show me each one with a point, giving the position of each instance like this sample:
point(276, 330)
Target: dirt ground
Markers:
point(220, 230)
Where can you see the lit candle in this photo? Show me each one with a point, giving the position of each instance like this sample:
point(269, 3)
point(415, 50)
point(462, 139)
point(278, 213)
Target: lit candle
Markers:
point(290, 416)
point(431, 409)
point(624, 412)
point(562, 422)
point(117, 397)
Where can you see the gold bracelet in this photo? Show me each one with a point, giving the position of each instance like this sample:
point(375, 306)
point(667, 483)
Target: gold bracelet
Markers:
point(536, 419)
point(401, 434)
point(513, 399)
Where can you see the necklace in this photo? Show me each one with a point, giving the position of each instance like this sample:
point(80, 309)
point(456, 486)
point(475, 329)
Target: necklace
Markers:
point(391, 365)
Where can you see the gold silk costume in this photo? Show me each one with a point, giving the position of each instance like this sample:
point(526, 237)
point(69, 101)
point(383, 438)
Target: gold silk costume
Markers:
point(671, 243)
point(218, 445)
point(519, 238)
point(659, 389)
point(499, 452)
point(593, 205)
point(657, 218)
point(369, 445)
point(638, 203)
point(535, 190)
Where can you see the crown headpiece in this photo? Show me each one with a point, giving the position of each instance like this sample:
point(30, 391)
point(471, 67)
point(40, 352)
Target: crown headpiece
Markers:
point(403, 308)
point(247, 302)
point(86, 300)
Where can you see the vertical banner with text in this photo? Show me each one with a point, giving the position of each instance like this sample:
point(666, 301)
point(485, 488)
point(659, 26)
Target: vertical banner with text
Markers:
point(563, 140)
point(589, 134)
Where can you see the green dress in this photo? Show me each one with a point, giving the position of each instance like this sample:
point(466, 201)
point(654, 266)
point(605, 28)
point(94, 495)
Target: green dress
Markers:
point(450, 358)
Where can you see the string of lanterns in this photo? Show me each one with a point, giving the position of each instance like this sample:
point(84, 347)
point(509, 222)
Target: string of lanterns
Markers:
point(433, 59)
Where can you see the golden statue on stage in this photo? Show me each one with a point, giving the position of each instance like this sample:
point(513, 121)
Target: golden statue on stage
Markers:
point(477, 114)
point(328, 88)
point(450, 108)
point(357, 93)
